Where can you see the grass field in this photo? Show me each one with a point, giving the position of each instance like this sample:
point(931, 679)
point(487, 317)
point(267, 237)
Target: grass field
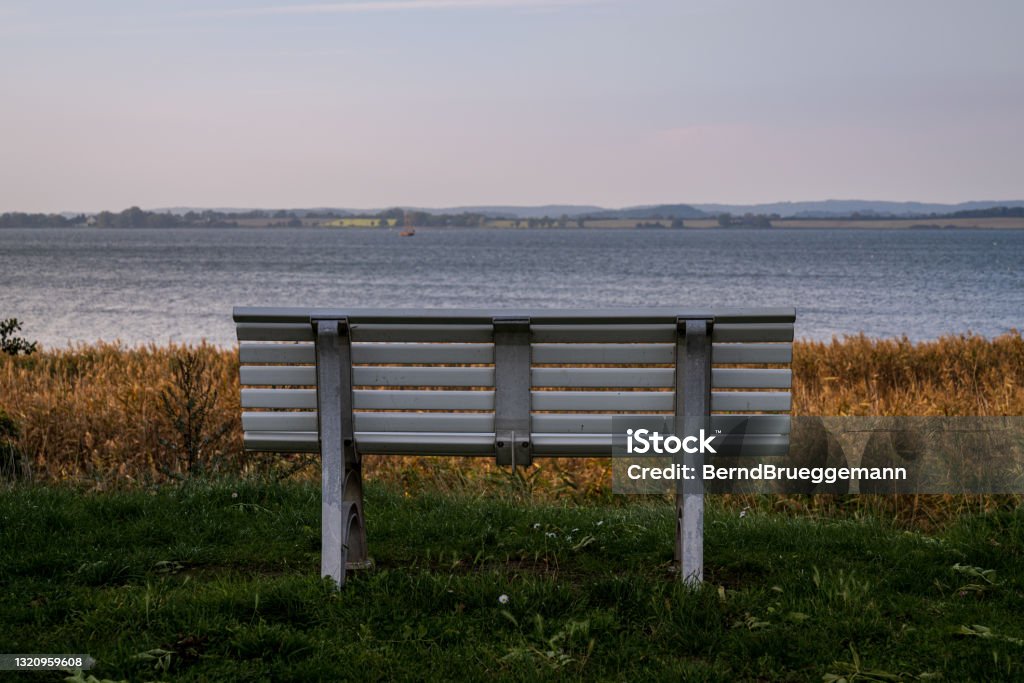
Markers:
point(218, 581)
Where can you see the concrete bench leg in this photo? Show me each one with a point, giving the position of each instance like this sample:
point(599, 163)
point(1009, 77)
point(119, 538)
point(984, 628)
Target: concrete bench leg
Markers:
point(690, 536)
point(343, 534)
point(693, 405)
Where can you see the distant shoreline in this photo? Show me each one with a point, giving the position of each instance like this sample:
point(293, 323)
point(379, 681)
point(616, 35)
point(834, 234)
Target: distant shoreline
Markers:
point(650, 225)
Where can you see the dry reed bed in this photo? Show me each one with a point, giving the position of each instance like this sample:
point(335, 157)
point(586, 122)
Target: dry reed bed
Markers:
point(112, 415)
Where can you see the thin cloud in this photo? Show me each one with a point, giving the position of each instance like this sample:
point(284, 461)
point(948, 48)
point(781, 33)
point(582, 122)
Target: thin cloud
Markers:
point(365, 6)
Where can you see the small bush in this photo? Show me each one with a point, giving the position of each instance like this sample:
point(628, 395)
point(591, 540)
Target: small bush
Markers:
point(12, 345)
point(11, 461)
point(190, 403)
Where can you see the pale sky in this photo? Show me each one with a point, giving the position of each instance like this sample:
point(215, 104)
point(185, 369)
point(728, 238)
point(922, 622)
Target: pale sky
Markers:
point(373, 103)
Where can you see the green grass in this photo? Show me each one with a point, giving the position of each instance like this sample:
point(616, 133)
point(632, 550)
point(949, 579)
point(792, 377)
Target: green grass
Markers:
point(218, 581)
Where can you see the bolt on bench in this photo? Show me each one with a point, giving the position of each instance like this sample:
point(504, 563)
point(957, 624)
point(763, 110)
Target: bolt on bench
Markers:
point(508, 384)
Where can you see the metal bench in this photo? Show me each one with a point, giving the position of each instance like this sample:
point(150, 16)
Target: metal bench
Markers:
point(510, 384)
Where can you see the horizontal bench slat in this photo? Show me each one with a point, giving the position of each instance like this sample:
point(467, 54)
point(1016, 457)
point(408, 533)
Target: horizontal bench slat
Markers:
point(752, 445)
point(602, 424)
point(277, 353)
point(416, 354)
point(750, 378)
point(279, 375)
point(424, 422)
point(723, 378)
point(405, 354)
point(374, 422)
point(274, 332)
point(604, 377)
point(423, 333)
point(484, 422)
point(603, 334)
point(722, 332)
point(279, 398)
point(752, 353)
point(387, 443)
point(279, 422)
point(752, 424)
point(282, 442)
point(608, 401)
point(422, 377)
point(652, 401)
point(574, 424)
point(409, 443)
point(575, 445)
point(370, 399)
point(658, 353)
point(541, 377)
point(482, 444)
point(745, 332)
point(397, 399)
point(639, 314)
point(741, 401)
point(604, 353)
point(305, 375)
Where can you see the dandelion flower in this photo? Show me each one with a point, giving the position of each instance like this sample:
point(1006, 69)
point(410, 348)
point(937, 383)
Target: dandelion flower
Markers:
point(503, 599)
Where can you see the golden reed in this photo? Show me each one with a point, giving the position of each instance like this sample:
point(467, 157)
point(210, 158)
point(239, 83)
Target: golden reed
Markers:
point(97, 413)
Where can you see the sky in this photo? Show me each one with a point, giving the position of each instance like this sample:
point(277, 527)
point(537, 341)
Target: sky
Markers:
point(437, 103)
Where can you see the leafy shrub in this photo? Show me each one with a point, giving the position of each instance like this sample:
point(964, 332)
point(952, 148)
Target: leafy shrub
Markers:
point(10, 344)
point(11, 465)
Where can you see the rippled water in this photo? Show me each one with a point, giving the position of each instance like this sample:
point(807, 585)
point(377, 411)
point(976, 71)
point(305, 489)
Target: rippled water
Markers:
point(70, 285)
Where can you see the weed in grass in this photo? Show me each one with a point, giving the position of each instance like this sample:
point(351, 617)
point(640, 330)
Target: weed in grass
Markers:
point(568, 646)
point(854, 671)
point(842, 590)
point(980, 581)
point(189, 401)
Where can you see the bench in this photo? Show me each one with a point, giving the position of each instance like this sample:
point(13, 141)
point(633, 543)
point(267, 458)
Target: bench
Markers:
point(510, 384)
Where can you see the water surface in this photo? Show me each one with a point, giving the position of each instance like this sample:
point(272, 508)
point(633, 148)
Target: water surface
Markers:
point(85, 284)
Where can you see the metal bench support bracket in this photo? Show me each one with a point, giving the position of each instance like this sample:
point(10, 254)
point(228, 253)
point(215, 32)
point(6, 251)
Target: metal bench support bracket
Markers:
point(512, 383)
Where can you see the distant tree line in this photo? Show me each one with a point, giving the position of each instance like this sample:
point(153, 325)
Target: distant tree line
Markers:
point(133, 217)
point(466, 219)
point(747, 220)
point(994, 212)
point(38, 220)
point(136, 218)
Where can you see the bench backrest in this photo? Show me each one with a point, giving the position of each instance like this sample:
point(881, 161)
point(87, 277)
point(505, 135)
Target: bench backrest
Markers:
point(423, 381)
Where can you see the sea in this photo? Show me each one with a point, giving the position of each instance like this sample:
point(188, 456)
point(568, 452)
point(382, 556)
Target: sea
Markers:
point(80, 285)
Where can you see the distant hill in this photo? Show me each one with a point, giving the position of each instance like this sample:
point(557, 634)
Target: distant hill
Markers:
point(835, 208)
point(829, 208)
